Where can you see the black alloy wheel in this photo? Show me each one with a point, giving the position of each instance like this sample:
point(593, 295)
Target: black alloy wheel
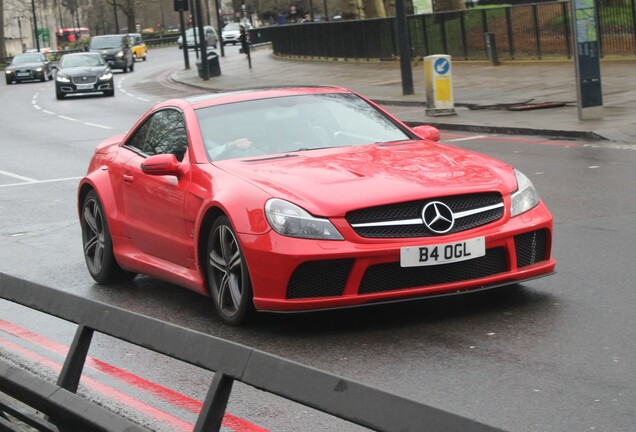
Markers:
point(228, 277)
point(98, 244)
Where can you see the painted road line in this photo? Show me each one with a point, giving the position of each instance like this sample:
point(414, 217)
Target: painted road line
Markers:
point(28, 181)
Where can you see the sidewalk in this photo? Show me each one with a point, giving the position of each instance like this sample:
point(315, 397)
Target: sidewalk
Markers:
point(475, 85)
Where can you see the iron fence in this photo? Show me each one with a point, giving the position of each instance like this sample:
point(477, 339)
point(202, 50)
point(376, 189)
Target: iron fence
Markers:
point(525, 31)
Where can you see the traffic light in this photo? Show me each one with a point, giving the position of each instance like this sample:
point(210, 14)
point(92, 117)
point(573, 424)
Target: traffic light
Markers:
point(181, 5)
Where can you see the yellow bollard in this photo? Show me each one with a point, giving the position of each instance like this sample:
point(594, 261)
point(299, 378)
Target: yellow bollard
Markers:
point(439, 85)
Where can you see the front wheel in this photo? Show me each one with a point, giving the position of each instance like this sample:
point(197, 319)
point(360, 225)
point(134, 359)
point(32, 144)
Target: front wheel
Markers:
point(228, 277)
point(98, 244)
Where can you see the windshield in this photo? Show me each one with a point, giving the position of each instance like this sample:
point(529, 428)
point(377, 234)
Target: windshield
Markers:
point(81, 61)
point(26, 58)
point(106, 42)
point(295, 123)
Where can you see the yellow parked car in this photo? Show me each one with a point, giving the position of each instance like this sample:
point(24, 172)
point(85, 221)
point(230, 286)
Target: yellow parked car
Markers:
point(139, 48)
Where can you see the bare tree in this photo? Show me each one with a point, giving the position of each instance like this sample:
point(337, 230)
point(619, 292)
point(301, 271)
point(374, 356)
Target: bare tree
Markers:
point(3, 49)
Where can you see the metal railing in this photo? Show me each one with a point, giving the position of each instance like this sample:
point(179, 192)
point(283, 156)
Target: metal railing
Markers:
point(341, 397)
point(524, 31)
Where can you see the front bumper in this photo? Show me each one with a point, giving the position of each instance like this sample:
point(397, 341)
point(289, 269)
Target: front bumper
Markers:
point(296, 275)
point(71, 88)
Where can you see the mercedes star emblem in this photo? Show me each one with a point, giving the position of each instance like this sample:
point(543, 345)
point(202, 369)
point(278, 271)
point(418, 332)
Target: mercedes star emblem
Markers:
point(438, 217)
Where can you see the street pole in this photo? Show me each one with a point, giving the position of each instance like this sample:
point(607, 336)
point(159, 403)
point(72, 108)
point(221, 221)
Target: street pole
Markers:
point(218, 22)
point(202, 41)
point(404, 48)
point(184, 44)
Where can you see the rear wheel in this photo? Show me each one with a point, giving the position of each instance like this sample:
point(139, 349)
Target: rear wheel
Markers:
point(228, 277)
point(98, 244)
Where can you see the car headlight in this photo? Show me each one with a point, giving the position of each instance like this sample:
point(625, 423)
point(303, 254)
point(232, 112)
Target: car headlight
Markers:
point(526, 196)
point(106, 76)
point(292, 221)
point(39, 69)
point(62, 78)
point(120, 54)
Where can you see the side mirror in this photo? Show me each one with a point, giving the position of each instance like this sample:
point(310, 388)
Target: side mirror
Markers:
point(162, 164)
point(427, 132)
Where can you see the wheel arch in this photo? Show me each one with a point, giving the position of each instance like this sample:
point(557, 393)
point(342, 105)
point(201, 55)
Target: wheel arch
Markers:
point(106, 199)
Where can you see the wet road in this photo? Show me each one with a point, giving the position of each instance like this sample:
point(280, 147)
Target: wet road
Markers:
point(554, 354)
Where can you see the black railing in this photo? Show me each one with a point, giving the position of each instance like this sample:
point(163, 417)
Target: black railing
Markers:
point(341, 397)
point(524, 31)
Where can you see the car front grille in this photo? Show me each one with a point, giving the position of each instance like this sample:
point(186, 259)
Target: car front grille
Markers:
point(388, 221)
point(85, 80)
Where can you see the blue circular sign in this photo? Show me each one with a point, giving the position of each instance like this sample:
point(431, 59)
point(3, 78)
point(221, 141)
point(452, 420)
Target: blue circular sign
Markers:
point(441, 66)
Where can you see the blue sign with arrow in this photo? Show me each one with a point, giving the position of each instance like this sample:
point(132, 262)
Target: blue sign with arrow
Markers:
point(441, 66)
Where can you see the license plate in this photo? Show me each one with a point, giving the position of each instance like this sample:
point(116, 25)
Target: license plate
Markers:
point(84, 86)
point(23, 74)
point(414, 256)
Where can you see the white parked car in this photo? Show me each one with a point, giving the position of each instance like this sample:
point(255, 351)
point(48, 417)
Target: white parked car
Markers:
point(192, 37)
point(232, 31)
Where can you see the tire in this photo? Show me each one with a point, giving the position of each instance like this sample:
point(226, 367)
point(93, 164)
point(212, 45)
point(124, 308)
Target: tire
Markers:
point(228, 277)
point(98, 244)
point(59, 96)
point(43, 79)
point(9, 81)
point(132, 65)
point(109, 93)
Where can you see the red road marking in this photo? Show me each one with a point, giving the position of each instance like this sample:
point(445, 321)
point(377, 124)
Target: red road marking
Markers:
point(232, 422)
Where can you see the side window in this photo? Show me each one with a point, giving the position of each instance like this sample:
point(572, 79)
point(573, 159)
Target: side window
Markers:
point(163, 133)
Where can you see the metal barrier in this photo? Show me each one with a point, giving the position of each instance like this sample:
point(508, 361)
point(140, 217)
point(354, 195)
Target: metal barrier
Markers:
point(343, 398)
point(523, 31)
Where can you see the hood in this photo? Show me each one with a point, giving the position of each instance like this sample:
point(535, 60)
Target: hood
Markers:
point(331, 182)
point(83, 71)
point(31, 65)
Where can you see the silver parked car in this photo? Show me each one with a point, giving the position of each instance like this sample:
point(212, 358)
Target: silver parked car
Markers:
point(192, 37)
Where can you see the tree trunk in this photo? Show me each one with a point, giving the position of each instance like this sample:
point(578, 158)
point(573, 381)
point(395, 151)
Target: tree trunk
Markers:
point(448, 5)
point(352, 9)
point(3, 49)
point(374, 9)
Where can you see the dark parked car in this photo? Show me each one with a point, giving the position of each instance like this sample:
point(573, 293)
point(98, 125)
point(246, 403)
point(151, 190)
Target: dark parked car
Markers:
point(83, 73)
point(28, 67)
point(115, 49)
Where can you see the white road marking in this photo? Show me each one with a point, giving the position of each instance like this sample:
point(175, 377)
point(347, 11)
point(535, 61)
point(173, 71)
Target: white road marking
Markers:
point(68, 118)
point(18, 177)
point(97, 125)
point(467, 138)
point(28, 181)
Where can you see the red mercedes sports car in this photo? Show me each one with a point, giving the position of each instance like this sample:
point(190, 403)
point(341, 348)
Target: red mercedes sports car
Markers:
point(292, 199)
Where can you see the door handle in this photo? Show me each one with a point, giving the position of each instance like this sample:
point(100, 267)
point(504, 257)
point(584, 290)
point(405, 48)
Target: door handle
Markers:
point(128, 178)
